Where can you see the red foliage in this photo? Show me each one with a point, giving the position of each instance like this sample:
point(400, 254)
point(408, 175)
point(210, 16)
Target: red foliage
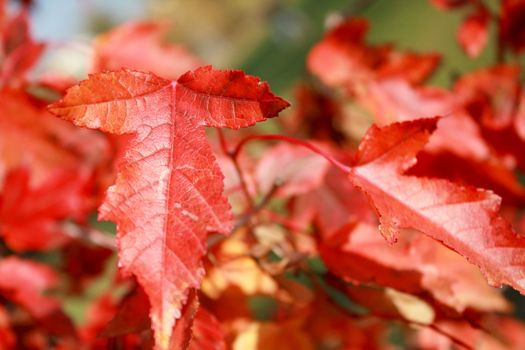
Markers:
point(31, 218)
point(511, 24)
point(225, 240)
point(473, 32)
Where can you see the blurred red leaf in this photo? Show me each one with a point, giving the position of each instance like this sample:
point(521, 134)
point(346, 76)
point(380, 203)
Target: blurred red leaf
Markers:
point(132, 315)
point(316, 114)
point(473, 33)
point(138, 46)
point(512, 24)
point(32, 218)
point(416, 264)
point(332, 206)
point(490, 95)
point(84, 262)
point(109, 323)
point(207, 332)
point(19, 52)
point(7, 335)
point(48, 142)
point(25, 282)
point(182, 332)
point(342, 58)
point(284, 165)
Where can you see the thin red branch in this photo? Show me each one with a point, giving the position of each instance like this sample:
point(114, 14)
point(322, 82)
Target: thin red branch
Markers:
point(344, 168)
point(243, 183)
point(242, 180)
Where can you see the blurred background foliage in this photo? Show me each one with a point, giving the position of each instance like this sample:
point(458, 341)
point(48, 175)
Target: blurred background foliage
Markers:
point(269, 38)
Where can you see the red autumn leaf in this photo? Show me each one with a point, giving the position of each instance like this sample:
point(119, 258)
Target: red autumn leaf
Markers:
point(463, 218)
point(316, 115)
point(7, 335)
point(473, 33)
point(138, 46)
point(493, 97)
point(343, 58)
point(463, 138)
point(414, 67)
point(508, 145)
point(485, 173)
point(512, 24)
point(32, 218)
point(512, 330)
point(332, 206)
point(84, 262)
point(461, 141)
point(356, 254)
point(98, 314)
point(182, 332)
point(415, 264)
point(490, 95)
point(132, 315)
point(19, 52)
point(207, 332)
point(3, 10)
point(168, 193)
point(48, 142)
point(396, 100)
point(25, 282)
point(461, 151)
point(501, 333)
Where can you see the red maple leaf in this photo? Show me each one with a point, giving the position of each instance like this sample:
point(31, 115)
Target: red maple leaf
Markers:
point(169, 190)
point(344, 58)
point(138, 46)
point(463, 218)
point(31, 217)
point(18, 51)
point(473, 33)
point(490, 94)
point(24, 282)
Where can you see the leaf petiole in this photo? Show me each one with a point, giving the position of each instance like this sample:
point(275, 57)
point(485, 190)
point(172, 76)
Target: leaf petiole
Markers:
point(344, 168)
